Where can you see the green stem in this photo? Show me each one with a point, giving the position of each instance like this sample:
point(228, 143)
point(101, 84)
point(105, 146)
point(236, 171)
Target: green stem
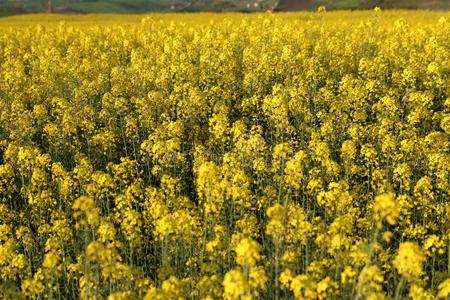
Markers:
point(277, 270)
point(399, 289)
point(448, 258)
point(432, 270)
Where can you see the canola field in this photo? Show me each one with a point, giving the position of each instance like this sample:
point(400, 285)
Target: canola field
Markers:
point(203, 156)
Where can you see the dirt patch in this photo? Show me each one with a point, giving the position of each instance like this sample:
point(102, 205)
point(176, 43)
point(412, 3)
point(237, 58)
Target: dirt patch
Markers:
point(290, 5)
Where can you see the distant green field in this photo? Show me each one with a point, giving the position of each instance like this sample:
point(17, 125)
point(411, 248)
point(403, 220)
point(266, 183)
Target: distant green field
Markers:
point(131, 6)
point(9, 7)
point(116, 6)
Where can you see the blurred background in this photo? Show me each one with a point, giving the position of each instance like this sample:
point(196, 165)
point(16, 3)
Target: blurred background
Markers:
point(10, 7)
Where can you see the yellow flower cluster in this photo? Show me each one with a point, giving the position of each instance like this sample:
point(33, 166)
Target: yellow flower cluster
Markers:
point(203, 156)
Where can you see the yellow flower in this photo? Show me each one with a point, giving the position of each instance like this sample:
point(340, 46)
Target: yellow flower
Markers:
point(247, 252)
point(234, 285)
point(326, 287)
point(370, 282)
point(294, 170)
point(444, 289)
point(32, 287)
point(385, 208)
point(51, 260)
point(348, 275)
point(419, 293)
point(121, 295)
point(409, 260)
point(276, 225)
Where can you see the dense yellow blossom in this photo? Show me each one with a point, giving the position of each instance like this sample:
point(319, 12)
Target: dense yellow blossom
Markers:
point(207, 156)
